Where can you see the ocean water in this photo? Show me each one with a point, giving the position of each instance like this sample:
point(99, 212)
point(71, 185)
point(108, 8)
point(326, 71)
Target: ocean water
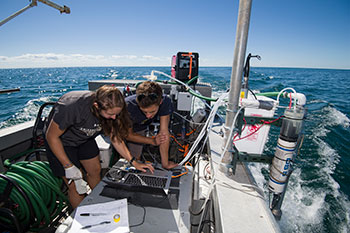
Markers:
point(317, 199)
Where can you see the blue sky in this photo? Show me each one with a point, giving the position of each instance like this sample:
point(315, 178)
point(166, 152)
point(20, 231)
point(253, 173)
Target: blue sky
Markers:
point(294, 33)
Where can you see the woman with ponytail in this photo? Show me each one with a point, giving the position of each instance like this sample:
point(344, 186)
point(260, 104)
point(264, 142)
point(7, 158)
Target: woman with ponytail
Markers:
point(74, 122)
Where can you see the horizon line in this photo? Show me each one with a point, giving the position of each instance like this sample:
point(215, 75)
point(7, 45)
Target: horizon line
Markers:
point(285, 67)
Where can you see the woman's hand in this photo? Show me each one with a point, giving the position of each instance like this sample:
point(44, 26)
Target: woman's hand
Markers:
point(143, 166)
point(73, 173)
point(161, 138)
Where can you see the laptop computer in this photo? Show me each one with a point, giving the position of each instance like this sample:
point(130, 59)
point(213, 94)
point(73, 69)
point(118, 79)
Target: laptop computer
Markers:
point(134, 180)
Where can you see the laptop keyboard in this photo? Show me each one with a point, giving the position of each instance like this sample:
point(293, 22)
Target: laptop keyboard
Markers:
point(140, 180)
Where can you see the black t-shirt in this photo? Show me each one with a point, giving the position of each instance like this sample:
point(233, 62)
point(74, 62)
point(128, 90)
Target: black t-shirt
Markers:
point(139, 120)
point(73, 113)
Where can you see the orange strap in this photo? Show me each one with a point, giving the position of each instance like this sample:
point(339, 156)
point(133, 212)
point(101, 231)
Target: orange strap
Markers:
point(189, 55)
point(184, 173)
point(188, 134)
point(186, 150)
point(177, 141)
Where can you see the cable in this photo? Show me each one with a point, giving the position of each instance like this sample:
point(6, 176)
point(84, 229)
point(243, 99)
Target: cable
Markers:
point(183, 173)
point(256, 130)
point(188, 88)
point(288, 88)
point(143, 217)
point(192, 122)
point(252, 93)
point(206, 171)
point(41, 188)
point(231, 132)
point(192, 80)
point(203, 217)
point(207, 126)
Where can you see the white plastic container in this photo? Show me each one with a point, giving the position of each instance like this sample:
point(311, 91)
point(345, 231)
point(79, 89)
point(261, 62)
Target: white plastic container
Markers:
point(199, 115)
point(254, 138)
point(104, 144)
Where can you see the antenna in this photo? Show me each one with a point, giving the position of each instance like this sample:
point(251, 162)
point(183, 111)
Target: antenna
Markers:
point(33, 3)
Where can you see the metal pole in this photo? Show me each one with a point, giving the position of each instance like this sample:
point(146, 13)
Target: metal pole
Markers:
point(62, 9)
point(237, 69)
point(33, 3)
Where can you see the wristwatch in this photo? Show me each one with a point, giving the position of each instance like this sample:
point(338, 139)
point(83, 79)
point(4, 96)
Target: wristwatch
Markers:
point(132, 160)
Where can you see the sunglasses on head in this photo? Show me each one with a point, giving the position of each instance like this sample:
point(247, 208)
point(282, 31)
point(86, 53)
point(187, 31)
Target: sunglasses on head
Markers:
point(151, 96)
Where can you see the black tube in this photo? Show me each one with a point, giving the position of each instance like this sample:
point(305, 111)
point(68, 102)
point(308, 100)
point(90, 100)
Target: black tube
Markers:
point(7, 213)
point(6, 195)
point(3, 91)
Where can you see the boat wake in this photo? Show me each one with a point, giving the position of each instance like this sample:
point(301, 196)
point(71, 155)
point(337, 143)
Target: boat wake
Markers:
point(338, 117)
point(314, 201)
point(27, 113)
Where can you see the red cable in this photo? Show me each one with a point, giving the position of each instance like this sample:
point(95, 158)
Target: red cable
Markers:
point(263, 123)
point(250, 133)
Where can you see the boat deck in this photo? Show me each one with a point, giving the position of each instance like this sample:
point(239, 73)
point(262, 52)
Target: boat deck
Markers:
point(240, 205)
point(148, 219)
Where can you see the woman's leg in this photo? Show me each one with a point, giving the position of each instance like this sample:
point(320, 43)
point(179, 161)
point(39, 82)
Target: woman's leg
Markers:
point(93, 169)
point(74, 197)
point(89, 158)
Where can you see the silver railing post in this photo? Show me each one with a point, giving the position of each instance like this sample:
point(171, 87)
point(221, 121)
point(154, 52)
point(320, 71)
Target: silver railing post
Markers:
point(237, 71)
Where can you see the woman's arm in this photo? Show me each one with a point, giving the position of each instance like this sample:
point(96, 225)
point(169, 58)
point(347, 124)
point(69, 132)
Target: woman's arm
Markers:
point(53, 138)
point(125, 153)
point(164, 137)
point(134, 137)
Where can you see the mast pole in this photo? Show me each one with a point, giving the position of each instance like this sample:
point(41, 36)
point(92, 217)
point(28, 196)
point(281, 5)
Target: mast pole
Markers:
point(237, 71)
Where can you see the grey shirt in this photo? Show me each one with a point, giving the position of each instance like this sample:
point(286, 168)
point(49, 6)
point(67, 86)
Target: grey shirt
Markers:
point(73, 114)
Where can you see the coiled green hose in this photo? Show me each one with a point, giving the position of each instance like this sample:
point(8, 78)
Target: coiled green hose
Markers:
point(42, 189)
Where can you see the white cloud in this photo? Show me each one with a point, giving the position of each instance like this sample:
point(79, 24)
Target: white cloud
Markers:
point(151, 58)
point(130, 57)
point(66, 60)
point(73, 60)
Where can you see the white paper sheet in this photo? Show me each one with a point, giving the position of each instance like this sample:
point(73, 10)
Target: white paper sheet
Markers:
point(107, 219)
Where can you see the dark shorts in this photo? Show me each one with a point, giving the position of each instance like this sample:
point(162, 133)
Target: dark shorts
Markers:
point(87, 150)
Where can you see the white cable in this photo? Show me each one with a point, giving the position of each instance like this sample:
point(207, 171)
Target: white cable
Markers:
point(208, 123)
point(231, 132)
point(187, 87)
point(176, 80)
point(191, 122)
point(207, 126)
point(288, 88)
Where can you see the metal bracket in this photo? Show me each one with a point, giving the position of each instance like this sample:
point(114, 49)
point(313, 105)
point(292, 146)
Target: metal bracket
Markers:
point(257, 158)
point(258, 120)
point(63, 9)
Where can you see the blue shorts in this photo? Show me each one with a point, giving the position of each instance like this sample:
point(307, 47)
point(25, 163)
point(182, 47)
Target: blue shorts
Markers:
point(87, 150)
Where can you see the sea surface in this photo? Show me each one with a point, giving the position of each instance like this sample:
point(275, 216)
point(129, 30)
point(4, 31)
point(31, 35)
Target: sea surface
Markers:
point(317, 199)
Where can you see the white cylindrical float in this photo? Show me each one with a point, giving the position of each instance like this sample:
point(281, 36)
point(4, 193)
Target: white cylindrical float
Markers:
point(281, 165)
